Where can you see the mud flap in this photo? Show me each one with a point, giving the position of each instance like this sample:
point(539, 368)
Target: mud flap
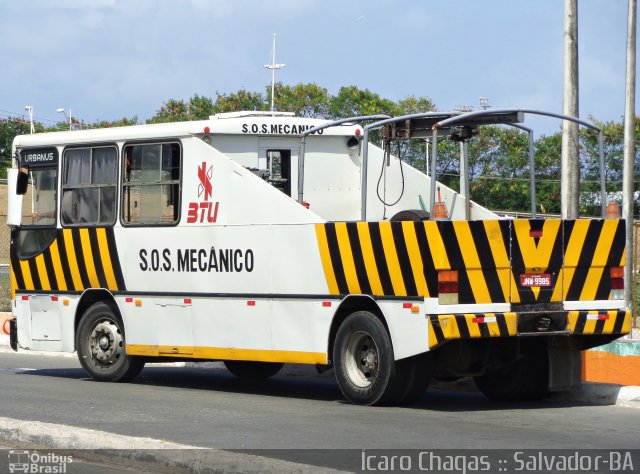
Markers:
point(565, 364)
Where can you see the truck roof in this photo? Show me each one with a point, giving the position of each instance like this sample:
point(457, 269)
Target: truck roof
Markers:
point(233, 123)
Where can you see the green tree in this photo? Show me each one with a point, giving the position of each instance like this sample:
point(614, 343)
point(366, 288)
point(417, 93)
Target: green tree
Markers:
point(498, 168)
point(613, 148)
point(171, 111)
point(9, 128)
point(414, 105)
point(197, 108)
point(352, 101)
point(548, 151)
point(305, 100)
point(241, 100)
point(123, 122)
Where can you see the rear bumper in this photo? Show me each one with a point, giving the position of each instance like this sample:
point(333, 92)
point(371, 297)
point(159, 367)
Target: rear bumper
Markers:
point(448, 327)
point(13, 334)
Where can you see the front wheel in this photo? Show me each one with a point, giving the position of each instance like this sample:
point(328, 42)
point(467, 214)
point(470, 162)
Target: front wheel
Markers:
point(100, 342)
point(365, 369)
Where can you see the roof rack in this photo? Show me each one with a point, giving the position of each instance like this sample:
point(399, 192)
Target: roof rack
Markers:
point(461, 127)
point(251, 113)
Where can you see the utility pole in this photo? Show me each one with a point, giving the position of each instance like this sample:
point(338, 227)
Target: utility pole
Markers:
point(629, 149)
point(570, 165)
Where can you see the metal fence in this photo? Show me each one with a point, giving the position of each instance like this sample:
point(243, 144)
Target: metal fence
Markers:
point(5, 282)
point(635, 316)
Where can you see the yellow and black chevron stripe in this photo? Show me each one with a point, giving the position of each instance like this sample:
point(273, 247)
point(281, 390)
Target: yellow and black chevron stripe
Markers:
point(447, 327)
point(402, 259)
point(591, 248)
point(599, 322)
point(76, 259)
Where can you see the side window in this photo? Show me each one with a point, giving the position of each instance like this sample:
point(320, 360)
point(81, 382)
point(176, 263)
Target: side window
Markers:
point(89, 183)
point(39, 205)
point(151, 184)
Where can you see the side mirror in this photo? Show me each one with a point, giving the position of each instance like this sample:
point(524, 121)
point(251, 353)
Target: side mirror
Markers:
point(22, 182)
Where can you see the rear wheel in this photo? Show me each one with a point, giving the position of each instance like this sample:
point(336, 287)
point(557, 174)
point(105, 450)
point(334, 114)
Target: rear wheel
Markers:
point(100, 341)
point(526, 379)
point(363, 361)
point(253, 370)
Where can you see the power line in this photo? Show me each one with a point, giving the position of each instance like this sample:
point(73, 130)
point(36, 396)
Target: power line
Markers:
point(10, 114)
point(538, 180)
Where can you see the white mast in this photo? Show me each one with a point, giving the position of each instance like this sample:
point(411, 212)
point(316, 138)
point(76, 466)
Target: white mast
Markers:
point(29, 109)
point(273, 66)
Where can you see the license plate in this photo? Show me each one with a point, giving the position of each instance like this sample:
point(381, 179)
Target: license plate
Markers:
point(538, 279)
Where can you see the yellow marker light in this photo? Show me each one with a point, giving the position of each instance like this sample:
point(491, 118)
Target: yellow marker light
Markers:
point(138, 303)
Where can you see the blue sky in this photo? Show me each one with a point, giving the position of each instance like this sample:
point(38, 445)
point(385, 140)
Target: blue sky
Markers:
point(107, 59)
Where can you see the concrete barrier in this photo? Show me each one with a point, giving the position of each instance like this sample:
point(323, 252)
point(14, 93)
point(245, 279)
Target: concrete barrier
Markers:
point(615, 363)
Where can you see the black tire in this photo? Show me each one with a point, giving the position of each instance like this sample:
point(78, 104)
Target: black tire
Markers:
point(419, 370)
point(415, 215)
point(100, 342)
point(526, 379)
point(253, 370)
point(365, 369)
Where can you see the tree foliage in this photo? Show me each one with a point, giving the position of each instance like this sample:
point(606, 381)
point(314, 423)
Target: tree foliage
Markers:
point(9, 128)
point(241, 100)
point(499, 167)
point(197, 108)
point(305, 100)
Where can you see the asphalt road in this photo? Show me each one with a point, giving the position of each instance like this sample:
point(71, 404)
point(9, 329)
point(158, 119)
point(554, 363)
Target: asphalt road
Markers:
point(211, 408)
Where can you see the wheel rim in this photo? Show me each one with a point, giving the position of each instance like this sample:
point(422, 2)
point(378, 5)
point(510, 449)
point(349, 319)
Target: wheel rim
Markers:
point(105, 341)
point(361, 359)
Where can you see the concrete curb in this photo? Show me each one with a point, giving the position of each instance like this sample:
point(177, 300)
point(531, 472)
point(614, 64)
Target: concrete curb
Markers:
point(171, 456)
point(629, 396)
point(594, 393)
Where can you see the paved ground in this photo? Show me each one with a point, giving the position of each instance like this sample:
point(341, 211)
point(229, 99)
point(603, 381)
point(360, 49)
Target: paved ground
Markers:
point(210, 408)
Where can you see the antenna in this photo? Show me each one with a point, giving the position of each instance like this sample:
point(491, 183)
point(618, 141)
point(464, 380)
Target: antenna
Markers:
point(273, 66)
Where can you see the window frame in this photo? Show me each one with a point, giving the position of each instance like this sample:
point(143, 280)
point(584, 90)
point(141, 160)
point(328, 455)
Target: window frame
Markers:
point(45, 166)
point(124, 185)
point(64, 187)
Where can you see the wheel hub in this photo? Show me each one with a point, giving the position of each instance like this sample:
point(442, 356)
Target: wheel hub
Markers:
point(361, 359)
point(105, 341)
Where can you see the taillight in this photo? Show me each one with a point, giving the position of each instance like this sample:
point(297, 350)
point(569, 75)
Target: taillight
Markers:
point(617, 283)
point(448, 287)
